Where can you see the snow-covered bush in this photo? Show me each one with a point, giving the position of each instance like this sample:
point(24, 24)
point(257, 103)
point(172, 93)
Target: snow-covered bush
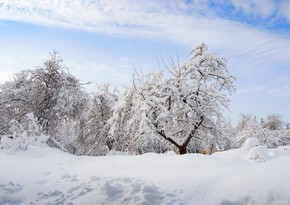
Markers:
point(259, 154)
point(270, 132)
point(22, 134)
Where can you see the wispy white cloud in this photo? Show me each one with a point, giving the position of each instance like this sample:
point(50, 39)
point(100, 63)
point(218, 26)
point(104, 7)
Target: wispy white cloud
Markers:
point(283, 91)
point(264, 9)
point(261, 8)
point(252, 88)
point(285, 8)
point(173, 19)
point(118, 75)
point(253, 52)
point(184, 22)
point(282, 79)
point(279, 88)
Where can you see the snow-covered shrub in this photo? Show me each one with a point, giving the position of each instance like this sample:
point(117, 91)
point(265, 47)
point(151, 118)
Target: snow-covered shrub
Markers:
point(22, 134)
point(259, 154)
point(253, 150)
point(270, 132)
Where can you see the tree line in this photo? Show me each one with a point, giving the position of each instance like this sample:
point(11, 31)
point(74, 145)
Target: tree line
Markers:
point(180, 108)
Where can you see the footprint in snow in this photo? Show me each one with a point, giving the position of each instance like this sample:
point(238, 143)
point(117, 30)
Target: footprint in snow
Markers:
point(122, 190)
point(68, 177)
point(8, 193)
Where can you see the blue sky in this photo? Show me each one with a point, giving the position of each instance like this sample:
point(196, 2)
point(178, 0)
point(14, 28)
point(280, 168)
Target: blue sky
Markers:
point(104, 41)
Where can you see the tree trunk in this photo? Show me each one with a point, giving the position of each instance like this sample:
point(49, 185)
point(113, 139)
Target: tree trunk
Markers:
point(182, 149)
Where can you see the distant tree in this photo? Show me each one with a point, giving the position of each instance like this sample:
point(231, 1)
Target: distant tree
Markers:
point(270, 132)
point(273, 122)
point(247, 122)
point(225, 140)
point(178, 108)
point(248, 126)
point(93, 137)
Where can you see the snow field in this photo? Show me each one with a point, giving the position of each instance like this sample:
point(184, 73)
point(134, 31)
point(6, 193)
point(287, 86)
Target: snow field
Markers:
point(249, 175)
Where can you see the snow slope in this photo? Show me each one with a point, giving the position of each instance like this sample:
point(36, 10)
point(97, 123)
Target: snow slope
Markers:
point(43, 175)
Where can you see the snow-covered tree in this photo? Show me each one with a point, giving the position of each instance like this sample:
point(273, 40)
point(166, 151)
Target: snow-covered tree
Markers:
point(92, 138)
point(15, 101)
point(247, 127)
point(119, 129)
point(49, 92)
point(130, 128)
point(273, 122)
point(177, 108)
point(61, 95)
point(195, 96)
point(226, 141)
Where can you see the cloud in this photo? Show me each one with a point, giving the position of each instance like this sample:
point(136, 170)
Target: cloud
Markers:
point(145, 18)
point(280, 87)
point(252, 88)
point(285, 10)
point(118, 75)
point(265, 9)
point(184, 22)
point(260, 8)
point(283, 91)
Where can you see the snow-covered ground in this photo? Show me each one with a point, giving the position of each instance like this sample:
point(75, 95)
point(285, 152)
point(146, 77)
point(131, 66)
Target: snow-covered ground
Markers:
point(43, 175)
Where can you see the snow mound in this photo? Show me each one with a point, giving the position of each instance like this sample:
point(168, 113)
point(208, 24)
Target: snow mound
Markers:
point(22, 142)
point(252, 150)
point(279, 151)
point(259, 154)
point(250, 143)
